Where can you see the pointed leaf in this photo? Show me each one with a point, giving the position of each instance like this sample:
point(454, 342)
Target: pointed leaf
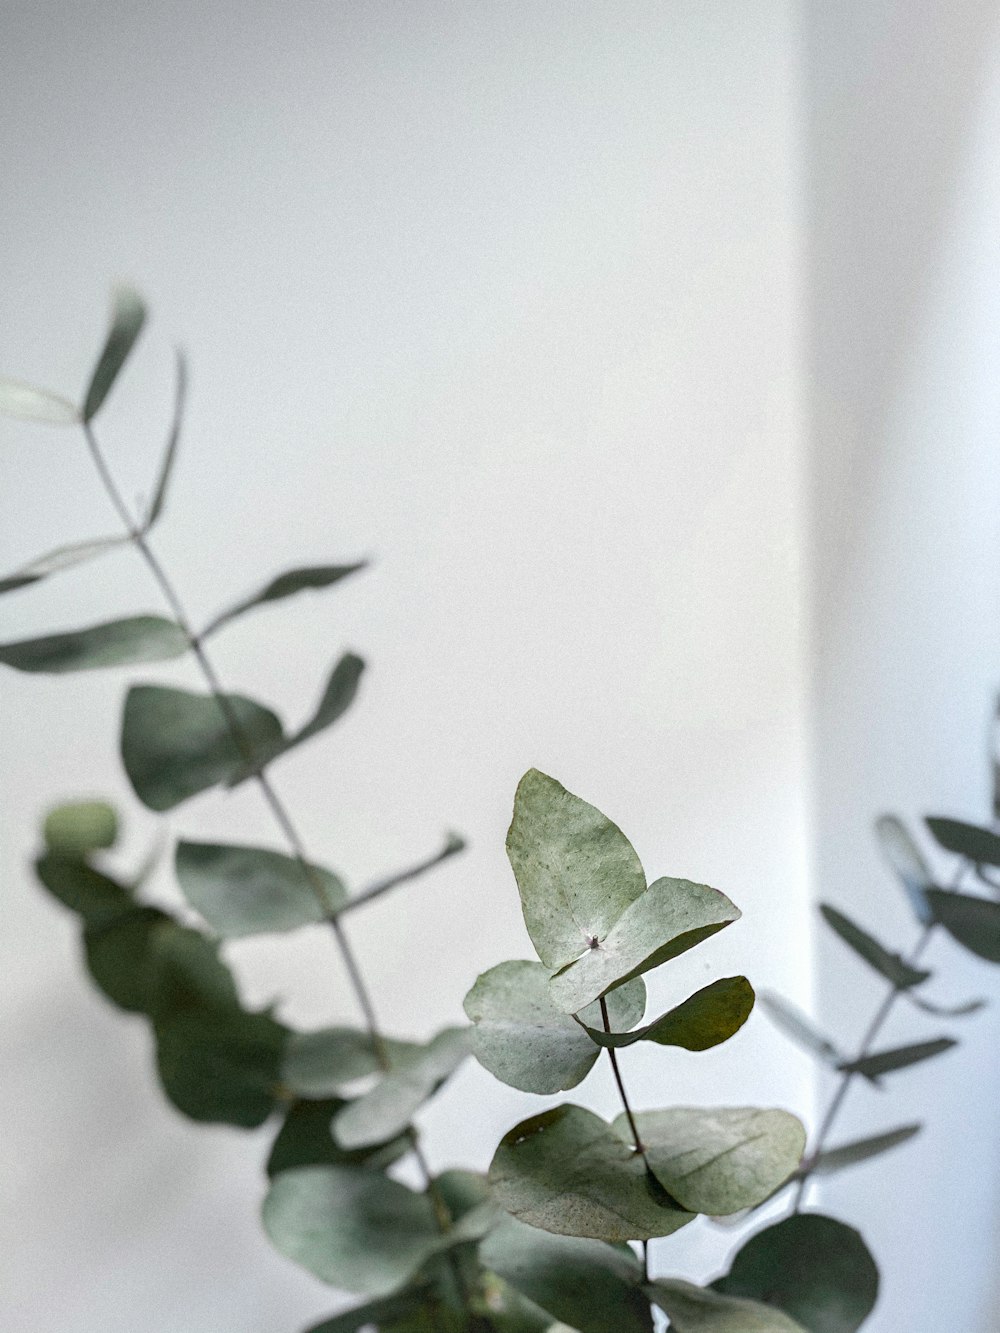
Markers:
point(576, 871)
point(973, 922)
point(947, 1010)
point(567, 1171)
point(889, 965)
point(705, 1019)
point(314, 577)
point(250, 890)
point(979, 845)
point(63, 557)
point(390, 1105)
point(306, 1139)
point(114, 643)
point(524, 1040)
point(94, 896)
point(905, 858)
point(326, 1062)
point(719, 1160)
point(832, 1160)
point(176, 743)
point(80, 827)
point(27, 403)
point(220, 1066)
point(591, 1286)
point(355, 1229)
point(815, 1269)
point(170, 453)
point(337, 698)
point(900, 1057)
point(699, 1310)
point(794, 1024)
point(128, 314)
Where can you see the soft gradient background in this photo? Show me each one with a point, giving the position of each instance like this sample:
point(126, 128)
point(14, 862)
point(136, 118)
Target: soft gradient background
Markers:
point(648, 350)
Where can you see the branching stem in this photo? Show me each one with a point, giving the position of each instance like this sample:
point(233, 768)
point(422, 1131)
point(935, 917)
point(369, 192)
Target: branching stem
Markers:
point(640, 1147)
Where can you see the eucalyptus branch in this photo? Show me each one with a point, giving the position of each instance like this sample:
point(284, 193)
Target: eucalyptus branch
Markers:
point(640, 1147)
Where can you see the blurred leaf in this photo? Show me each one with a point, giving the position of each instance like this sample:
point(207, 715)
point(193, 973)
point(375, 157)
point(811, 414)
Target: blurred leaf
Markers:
point(832, 1160)
point(568, 1172)
point(79, 827)
point(705, 1019)
point(794, 1024)
point(700, 1310)
point(114, 643)
point(415, 1076)
point(453, 844)
point(285, 585)
point(337, 698)
point(973, 922)
point(251, 891)
point(220, 1066)
point(815, 1269)
point(128, 314)
point(717, 1160)
point(63, 557)
point(94, 896)
point(525, 1041)
point(979, 845)
point(325, 1062)
point(947, 1010)
point(905, 858)
point(586, 1284)
point(306, 1139)
point(176, 743)
point(166, 467)
point(373, 1313)
point(900, 1057)
point(27, 403)
point(889, 965)
point(355, 1229)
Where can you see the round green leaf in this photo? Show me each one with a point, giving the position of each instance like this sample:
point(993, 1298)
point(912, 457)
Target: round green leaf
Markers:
point(97, 898)
point(220, 1066)
point(115, 643)
point(325, 1062)
point(80, 827)
point(697, 1310)
point(147, 963)
point(306, 1139)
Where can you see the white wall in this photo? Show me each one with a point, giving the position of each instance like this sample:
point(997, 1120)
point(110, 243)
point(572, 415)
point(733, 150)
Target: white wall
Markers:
point(904, 285)
point(507, 296)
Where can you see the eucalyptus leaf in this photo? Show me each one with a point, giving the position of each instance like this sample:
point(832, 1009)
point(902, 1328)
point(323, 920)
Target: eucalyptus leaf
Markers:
point(353, 1228)
point(979, 845)
point(962, 1010)
point(794, 1024)
point(832, 1160)
point(306, 1139)
point(973, 922)
point(170, 453)
point(128, 314)
point(525, 1041)
point(326, 1062)
point(313, 578)
point(719, 1160)
point(176, 743)
point(114, 643)
point(906, 859)
point(900, 1057)
point(63, 557)
point(413, 1077)
point(699, 1310)
point(28, 403)
point(591, 1286)
point(337, 697)
point(94, 896)
point(80, 827)
point(568, 1172)
point(220, 1066)
point(373, 1314)
point(251, 891)
point(711, 1016)
point(889, 965)
point(814, 1268)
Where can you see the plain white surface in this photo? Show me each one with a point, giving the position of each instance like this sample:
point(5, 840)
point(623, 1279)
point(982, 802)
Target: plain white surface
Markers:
point(505, 296)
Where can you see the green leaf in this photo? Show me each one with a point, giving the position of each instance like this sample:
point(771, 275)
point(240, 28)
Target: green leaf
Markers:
point(719, 1160)
point(524, 1040)
point(794, 1024)
point(80, 827)
point(114, 643)
point(567, 1171)
point(306, 1139)
point(414, 1076)
point(63, 557)
point(128, 314)
point(372, 1313)
point(250, 891)
point(175, 743)
point(355, 1229)
point(286, 585)
point(832, 1160)
point(94, 896)
point(699, 1310)
point(905, 858)
point(27, 403)
point(672, 916)
point(170, 453)
point(889, 965)
point(325, 1062)
point(815, 1269)
point(336, 699)
point(591, 1286)
point(705, 1019)
point(900, 1057)
point(979, 845)
point(220, 1066)
point(973, 922)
